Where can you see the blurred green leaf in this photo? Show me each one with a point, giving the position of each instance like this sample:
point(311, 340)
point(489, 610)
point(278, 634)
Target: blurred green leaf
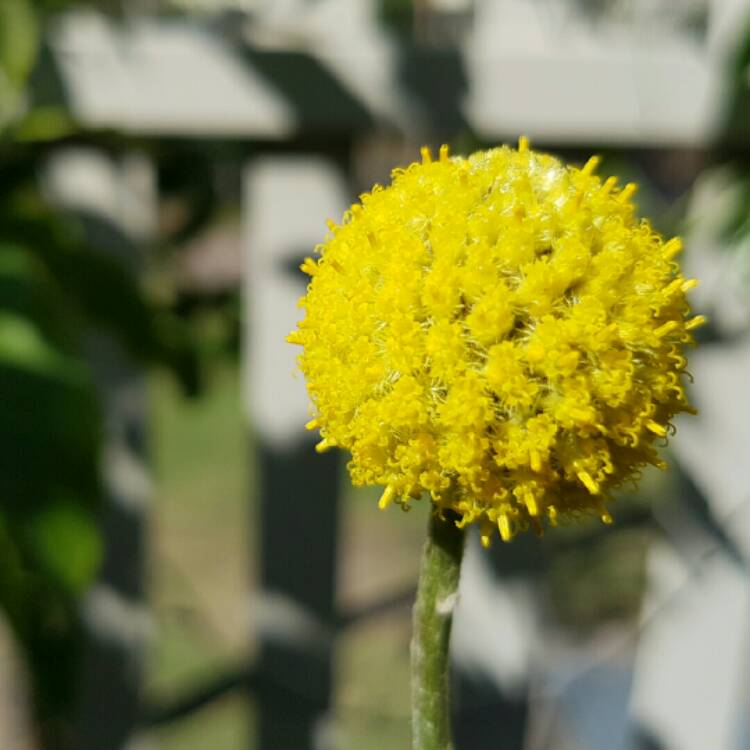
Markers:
point(22, 345)
point(49, 442)
point(19, 40)
point(100, 287)
point(65, 540)
point(43, 124)
point(13, 261)
point(12, 577)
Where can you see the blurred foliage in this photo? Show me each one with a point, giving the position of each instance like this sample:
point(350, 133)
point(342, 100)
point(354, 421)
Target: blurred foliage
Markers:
point(49, 485)
point(21, 39)
point(57, 291)
point(18, 41)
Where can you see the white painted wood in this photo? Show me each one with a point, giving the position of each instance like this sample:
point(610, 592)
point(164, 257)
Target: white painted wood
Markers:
point(690, 663)
point(164, 78)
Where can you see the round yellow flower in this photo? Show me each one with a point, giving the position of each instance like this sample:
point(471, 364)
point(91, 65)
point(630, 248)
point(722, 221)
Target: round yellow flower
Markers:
point(499, 331)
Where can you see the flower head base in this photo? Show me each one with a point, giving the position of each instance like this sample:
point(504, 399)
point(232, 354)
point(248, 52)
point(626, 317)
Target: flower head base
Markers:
point(500, 332)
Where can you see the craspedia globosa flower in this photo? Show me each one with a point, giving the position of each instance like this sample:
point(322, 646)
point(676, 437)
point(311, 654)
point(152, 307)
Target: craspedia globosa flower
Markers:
point(501, 332)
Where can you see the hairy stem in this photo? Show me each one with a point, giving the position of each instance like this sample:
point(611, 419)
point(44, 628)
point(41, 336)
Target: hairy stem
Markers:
point(432, 618)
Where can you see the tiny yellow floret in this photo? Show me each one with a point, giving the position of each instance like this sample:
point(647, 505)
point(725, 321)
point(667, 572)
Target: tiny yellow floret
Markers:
point(501, 333)
point(387, 497)
point(588, 482)
point(308, 266)
point(324, 445)
point(504, 527)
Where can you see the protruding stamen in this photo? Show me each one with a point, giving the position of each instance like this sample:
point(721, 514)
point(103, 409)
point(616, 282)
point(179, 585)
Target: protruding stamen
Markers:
point(324, 445)
point(523, 144)
point(503, 525)
point(656, 428)
point(308, 266)
point(552, 515)
point(356, 209)
point(535, 460)
point(606, 518)
point(387, 497)
point(696, 322)
point(590, 166)
point(588, 482)
point(331, 225)
point(673, 287)
point(672, 248)
point(485, 535)
point(295, 337)
point(627, 192)
point(689, 284)
point(336, 266)
point(426, 155)
point(313, 424)
point(444, 152)
point(531, 504)
point(609, 184)
point(668, 327)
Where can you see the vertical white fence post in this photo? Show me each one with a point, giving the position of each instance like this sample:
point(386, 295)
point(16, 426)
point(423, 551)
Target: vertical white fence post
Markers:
point(286, 202)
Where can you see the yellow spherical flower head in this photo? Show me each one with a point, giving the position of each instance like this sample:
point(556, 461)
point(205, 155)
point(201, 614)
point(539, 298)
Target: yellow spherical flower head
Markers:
point(499, 331)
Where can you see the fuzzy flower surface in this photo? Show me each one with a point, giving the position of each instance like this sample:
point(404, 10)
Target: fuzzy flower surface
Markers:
point(501, 332)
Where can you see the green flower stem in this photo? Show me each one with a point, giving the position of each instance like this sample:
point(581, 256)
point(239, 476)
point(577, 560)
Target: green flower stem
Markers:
point(432, 618)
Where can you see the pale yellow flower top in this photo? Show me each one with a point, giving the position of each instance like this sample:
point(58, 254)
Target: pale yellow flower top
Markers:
point(501, 332)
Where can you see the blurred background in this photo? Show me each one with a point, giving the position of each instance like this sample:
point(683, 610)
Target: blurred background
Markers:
point(178, 569)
